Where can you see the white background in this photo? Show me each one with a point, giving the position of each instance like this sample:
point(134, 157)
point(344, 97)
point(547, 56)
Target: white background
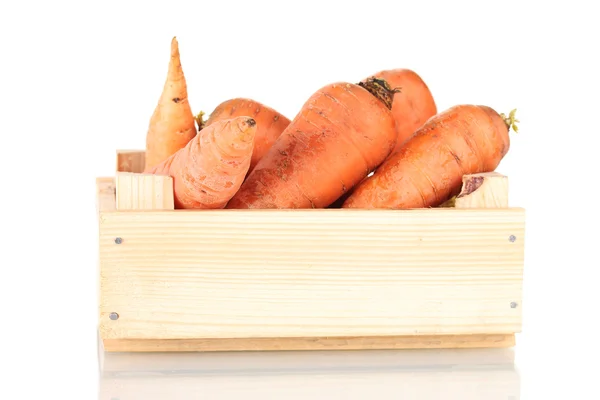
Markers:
point(79, 80)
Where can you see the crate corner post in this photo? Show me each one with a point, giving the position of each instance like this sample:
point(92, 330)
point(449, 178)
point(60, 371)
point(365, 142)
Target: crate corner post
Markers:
point(137, 191)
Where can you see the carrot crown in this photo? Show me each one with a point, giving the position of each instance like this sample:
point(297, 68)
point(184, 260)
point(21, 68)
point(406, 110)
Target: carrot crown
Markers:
point(380, 89)
point(200, 120)
point(511, 120)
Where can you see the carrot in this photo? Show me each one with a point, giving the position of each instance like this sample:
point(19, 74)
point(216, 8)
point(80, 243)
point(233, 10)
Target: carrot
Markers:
point(270, 123)
point(428, 169)
point(413, 106)
point(172, 123)
point(211, 167)
point(342, 132)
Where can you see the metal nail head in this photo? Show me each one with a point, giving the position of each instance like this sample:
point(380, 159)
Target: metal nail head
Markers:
point(118, 240)
point(114, 316)
point(513, 305)
point(512, 238)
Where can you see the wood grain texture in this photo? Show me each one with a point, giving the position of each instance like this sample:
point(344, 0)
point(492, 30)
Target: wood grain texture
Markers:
point(310, 273)
point(315, 343)
point(105, 194)
point(131, 161)
point(143, 191)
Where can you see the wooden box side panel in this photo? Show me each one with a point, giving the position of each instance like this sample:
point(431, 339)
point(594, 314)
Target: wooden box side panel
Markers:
point(310, 273)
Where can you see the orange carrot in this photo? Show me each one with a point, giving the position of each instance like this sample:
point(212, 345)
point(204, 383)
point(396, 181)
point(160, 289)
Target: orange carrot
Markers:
point(428, 169)
point(172, 123)
point(341, 133)
point(211, 167)
point(413, 106)
point(270, 123)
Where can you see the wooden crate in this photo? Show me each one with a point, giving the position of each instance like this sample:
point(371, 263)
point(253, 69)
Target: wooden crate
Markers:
point(216, 280)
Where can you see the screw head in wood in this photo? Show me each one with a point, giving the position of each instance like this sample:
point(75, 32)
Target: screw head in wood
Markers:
point(114, 316)
point(513, 304)
point(512, 238)
point(118, 240)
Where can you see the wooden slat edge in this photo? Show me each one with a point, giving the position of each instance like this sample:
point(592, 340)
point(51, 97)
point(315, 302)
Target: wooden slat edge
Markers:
point(322, 343)
point(105, 194)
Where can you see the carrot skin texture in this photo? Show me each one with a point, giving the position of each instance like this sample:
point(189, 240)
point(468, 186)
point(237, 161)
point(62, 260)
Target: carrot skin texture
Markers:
point(270, 123)
point(211, 167)
point(172, 123)
point(341, 133)
point(412, 106)
point(428, 169)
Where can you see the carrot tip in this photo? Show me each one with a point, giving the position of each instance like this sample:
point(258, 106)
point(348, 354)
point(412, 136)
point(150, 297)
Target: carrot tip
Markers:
point(511, 120)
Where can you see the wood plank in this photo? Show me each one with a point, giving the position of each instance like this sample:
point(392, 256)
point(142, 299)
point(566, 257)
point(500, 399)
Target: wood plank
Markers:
point(310, 273)
point(131, 161)
point(316, 343)
point(105, 194)
point(143, 191)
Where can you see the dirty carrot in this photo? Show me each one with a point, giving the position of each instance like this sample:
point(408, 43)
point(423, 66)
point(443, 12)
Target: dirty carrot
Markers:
point(413, 105)
point(270, 123)
point(341, 133)
point(428, 169)
point(172, 123)
point(212, 166)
